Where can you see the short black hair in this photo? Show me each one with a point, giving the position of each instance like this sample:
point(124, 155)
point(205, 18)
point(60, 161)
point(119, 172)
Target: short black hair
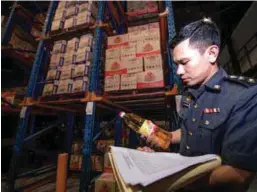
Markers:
point(201, 34)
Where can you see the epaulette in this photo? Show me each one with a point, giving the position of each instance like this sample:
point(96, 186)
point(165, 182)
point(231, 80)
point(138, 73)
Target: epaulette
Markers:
point(246, 81)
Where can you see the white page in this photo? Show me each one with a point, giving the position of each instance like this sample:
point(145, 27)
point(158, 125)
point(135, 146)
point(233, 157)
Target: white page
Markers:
point(137, 167)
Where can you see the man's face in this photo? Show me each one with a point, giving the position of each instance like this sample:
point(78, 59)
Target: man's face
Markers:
point(193, 67)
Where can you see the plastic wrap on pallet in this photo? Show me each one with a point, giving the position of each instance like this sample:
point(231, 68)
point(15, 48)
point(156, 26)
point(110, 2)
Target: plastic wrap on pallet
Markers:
point(70, 22)
point(72, 45)
point(56, 60)
point(117, 41)
point(64, 86)
point(50, 89)
point(53, 74)
point(57, 25)
point(69, 58)
point(114, 66)
point(80, 84)
point(86, 40)
point(150, 79)
point(112, 83)
point(59, 46)
point(153, 62)
point(62, 4)
point(128, 81)
point(113, 53)
point(71, 11)
point(66, 72)
point(81, 70)
point(85, 18)
point(133, 65)
point(82, 57)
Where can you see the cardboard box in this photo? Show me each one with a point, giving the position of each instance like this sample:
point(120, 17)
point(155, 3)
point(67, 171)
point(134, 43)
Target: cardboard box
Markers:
point(148, 47)
point(71, 11)
point(82, 56)
point(128, 52)
point(128, 81)
point(153, 34)
point(49, 89)
point(112, 83)
point(155, 25)
point(53, 74)
point(64, 86)
point(71, 4)
point(104, 145)
point(117, 41)
point(70, 22)
point(86, 40)
point(134, 65)
point(114, 67)
point(138, 28)
point(66, 72)
point(84, 49)
point(76, 162)
point(135, 36)
point(69, 58)
point(76, 147)
point(61, 4)
point(113, 53)
point(57, 25)
point(80, 84)
point(92, 8)
point(72, 44)
point(60, 15)
point(85, 18)
point(56, 60)
point(59, 46)
point(150, 79)
point(153, 62)
point(83, 7)
point(81, 70)
point(106, 182)
point(97, 162)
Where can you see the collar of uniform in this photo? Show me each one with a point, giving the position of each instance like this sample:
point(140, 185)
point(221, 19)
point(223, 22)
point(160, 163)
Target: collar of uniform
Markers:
point(214, 82)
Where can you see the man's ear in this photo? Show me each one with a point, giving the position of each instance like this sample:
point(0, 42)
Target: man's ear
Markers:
point(212, 53)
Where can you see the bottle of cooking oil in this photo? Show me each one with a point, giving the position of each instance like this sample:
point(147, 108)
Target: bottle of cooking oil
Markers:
point(147, 128)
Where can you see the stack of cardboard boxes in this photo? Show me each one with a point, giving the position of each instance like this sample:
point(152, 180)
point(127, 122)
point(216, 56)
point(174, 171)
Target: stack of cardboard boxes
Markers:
point(69, 66)
point(73, 13)
point(136, 8)
point(133, 60)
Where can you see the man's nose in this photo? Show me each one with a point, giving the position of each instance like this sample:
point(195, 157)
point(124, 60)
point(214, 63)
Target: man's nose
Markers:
point(180, 70)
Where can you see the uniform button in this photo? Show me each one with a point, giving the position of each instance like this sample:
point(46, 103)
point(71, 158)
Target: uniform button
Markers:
point(207, 122)
point(194, 120)
point(188, 98)
point(190, 133)
point(187, 147)
point(195, 106)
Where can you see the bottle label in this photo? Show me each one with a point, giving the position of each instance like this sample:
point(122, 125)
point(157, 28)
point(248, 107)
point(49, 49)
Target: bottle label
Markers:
point(148, 128)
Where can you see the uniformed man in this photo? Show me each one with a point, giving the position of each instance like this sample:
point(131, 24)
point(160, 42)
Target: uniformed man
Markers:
point(218, 112)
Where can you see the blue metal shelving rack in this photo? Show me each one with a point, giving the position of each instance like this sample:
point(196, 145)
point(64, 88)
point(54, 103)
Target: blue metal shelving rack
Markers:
point(89, 105)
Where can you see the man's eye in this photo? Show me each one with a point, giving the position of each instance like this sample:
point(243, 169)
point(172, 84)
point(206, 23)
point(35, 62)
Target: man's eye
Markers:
point(184, 63)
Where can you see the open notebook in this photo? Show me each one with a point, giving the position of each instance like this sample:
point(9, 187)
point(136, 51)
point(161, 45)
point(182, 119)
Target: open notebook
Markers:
point(142, 171)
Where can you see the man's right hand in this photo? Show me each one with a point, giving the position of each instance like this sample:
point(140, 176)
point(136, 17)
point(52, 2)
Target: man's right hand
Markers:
point(145, 149)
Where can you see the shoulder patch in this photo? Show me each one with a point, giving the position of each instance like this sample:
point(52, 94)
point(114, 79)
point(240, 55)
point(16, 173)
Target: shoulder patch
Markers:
point(246, 81)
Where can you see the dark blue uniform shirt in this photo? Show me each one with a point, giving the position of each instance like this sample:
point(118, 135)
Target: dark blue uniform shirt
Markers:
point(221, 118)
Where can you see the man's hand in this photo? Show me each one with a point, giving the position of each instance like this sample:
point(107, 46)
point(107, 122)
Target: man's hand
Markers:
point(146, 149)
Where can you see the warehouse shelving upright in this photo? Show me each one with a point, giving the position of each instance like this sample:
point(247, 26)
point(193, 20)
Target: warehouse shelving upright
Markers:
point(93, 99)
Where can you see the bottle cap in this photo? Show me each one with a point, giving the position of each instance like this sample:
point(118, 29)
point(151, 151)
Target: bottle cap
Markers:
point(121, 114)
